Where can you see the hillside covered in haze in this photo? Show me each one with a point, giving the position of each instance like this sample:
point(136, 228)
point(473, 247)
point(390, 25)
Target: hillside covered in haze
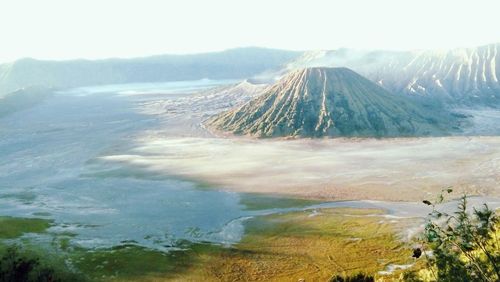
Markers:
point(231, 64)
point(463, 76)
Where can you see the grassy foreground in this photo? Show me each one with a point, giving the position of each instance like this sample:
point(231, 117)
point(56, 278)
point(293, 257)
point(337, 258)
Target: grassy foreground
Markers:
point(281, 247)
point(310, 245)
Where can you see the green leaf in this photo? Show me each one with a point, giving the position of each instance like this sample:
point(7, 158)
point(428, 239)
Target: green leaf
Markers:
point(440, 198)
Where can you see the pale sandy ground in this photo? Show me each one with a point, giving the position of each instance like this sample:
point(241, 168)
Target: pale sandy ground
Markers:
point(332, 169)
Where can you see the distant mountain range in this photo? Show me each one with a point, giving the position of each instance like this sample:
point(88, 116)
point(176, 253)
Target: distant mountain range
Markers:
point(316, 102)
point(468, 76)
point(231, 64)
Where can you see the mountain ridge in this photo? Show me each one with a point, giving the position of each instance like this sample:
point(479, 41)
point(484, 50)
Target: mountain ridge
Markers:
point(238, 63)
point(461, 76)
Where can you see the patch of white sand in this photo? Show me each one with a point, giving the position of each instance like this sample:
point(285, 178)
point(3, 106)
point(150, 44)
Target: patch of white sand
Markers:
point(388, 169)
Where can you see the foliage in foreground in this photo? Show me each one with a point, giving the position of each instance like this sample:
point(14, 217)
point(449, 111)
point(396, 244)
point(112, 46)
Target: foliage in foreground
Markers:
point(17, 265)
point(356, 278)
point(463, 246)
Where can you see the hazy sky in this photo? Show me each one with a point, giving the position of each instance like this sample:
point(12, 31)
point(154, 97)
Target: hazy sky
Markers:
point(61, 29)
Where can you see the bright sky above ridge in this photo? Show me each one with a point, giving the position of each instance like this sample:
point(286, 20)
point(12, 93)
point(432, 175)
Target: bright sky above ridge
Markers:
point(63, 29)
